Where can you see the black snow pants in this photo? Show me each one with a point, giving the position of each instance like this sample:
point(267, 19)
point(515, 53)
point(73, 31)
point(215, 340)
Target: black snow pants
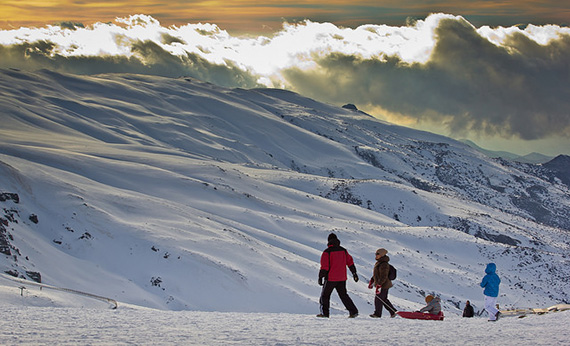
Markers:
point(325, 300)
point(381, 300)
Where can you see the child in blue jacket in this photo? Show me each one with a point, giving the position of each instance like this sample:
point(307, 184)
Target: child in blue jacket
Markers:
point(490, 284)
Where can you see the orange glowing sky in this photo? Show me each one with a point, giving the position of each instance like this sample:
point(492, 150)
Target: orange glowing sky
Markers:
point(246, 16)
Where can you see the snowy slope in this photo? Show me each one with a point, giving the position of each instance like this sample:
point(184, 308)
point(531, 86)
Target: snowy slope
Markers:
point(180, 195)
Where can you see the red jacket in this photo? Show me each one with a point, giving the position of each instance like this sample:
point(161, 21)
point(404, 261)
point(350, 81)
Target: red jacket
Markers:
point(334, 261)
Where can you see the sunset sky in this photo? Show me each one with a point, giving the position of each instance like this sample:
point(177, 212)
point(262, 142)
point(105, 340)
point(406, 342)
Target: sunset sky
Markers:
point(245, 16)
point(494, 72)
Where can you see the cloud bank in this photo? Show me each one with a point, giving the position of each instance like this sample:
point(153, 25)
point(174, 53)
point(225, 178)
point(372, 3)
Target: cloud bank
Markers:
point(508, 82)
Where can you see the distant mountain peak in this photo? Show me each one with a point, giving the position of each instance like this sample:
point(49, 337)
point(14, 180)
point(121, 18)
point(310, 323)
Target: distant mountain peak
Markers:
point(534, 158)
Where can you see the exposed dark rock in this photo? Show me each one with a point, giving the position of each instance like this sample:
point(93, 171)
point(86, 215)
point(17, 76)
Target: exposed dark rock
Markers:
point(369, 157)
point(4, 241)
point(423, 185)
point(10, 215)
point(155, 281)
point(342, 192)
point(36, 276)
point(13, 273)
point(7, 196)
point(86, 235)
point(497, 238)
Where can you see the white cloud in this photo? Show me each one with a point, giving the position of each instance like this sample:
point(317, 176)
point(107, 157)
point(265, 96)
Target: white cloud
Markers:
point(505, 81)
point(294, 46)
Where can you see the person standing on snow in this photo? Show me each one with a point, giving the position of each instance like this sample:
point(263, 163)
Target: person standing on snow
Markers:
point(468, 310)
point(332, 275)
point(491, 283)
point(382, 284)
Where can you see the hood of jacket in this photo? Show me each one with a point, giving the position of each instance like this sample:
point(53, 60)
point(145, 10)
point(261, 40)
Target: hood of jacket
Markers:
point(491, 268)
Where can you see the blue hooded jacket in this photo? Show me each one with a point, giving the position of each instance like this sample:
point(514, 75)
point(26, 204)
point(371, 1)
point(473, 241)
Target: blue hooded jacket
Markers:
point(491, 281)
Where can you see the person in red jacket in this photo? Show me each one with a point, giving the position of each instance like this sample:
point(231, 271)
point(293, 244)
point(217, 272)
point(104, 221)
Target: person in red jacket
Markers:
point(332, 275)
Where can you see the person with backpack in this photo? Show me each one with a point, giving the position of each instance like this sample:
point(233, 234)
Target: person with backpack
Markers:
point(490, 283)
point(332, 275)
point(382, 282)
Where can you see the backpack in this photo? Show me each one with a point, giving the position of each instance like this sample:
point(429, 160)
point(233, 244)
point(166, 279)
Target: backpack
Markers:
point(392, 273)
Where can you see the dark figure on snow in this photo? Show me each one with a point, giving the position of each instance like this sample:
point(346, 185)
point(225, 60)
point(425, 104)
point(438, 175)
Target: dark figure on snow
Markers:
point(468, 310)
point(382, 283)
point(332, 275)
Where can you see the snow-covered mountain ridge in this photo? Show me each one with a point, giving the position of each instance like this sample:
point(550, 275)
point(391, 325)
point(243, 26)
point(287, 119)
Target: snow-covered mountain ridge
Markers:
point(177, 194)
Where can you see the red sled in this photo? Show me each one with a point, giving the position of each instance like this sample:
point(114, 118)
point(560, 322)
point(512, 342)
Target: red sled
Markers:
point(414, 315)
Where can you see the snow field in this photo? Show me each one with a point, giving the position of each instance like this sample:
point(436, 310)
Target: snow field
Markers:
point(50, 317)
point(141, 326)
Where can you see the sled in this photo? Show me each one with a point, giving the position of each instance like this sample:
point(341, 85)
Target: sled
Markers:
point(415, 315)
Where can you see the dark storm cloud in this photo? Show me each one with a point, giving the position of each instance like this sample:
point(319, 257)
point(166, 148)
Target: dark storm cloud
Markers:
point(520, 88)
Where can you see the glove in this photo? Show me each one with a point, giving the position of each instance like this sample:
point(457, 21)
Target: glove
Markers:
point(321, 281)
point(370, 285)
point(355, 276)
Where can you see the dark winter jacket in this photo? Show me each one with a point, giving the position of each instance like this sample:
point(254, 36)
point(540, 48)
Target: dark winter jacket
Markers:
point(468, 311)
point(334, 261)
point(491, 281)
point(380, 273)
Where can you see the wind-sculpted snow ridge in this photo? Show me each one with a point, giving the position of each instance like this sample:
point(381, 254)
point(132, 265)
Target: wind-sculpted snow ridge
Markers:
point(178, 194)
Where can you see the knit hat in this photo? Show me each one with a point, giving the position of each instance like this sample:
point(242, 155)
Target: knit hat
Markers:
point(429, 298)
point(332, 236)
point(381, 252)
